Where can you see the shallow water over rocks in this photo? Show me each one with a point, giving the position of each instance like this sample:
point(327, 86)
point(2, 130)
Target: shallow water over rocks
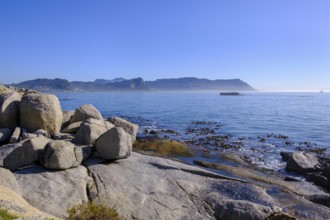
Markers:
point(257, 125)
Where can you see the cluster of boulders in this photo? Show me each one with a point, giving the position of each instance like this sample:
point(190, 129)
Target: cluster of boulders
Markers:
point(315, 169)
point(34, 128)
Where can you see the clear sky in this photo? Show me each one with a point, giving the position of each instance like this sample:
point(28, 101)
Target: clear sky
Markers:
point(271, 44)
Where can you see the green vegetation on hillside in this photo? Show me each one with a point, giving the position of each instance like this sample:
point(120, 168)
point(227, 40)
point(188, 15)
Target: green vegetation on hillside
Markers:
point(5, 215)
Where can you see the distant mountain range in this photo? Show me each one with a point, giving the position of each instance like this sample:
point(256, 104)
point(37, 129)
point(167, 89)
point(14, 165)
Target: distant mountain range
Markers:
point(136, 84)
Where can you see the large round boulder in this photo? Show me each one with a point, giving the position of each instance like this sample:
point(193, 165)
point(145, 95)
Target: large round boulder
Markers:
point(24, 153)
point(85, 112)
point(91, 130)
point(41, 111)
point(9, 110)
point(114, 144)
point(301, 162)
point(129, 127)
point(61, 155)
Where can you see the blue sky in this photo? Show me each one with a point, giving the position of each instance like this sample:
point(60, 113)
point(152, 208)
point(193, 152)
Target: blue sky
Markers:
point(272, 45)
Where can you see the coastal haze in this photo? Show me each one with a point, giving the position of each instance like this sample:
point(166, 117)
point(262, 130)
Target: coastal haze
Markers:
point(272, 45)
point(137, 84)
point(173, 109)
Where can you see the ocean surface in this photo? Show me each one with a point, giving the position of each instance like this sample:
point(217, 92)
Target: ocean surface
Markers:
point(258, 125)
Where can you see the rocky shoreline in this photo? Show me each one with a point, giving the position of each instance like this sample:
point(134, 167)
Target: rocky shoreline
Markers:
point(52, 160)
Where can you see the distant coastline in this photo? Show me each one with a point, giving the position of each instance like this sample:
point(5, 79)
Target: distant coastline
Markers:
point(136, 84)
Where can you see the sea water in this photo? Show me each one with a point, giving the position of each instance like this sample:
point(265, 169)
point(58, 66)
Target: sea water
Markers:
point(302, 118)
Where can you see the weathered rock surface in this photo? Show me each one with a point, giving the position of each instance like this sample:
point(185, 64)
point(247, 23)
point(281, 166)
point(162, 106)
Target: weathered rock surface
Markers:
point(67, 115)
point(301, 188)
point(40, 111)
point(286, 155)
point(129, 127)
point(9, 110)
point(319, 180)
point(143, 187)
point(114, 144)
point(42, 132)
point(26, 135)
point(9, 180)
point(236, 209)
point(301, 162)
point(24, 153)
point(10, 200)
point(62, 136)
point(54, 192)
point(61, 155)
point(91, 130)
point(326, 172)
point(85, 112)
point(15, 136)
point(7, 149)
point(72, 128)
point(5, 134)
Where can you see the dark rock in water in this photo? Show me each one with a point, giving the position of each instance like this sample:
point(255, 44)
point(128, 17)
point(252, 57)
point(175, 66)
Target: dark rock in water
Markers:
point(318, 179)
point(170, 131)
point(5, 134)
point(326, 172)
point(153, 132)
point(291, 179)
point(230, 93)
point(301, 162)
point(286, 155)
point(324, 161)
point(320, 199)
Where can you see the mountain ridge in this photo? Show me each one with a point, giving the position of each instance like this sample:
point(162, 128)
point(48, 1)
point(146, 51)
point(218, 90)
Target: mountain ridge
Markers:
point(136, 84)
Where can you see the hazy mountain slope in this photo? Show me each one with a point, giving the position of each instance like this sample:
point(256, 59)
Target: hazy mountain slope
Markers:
point(46, 84)
point(137, 84)
point(190, 83)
